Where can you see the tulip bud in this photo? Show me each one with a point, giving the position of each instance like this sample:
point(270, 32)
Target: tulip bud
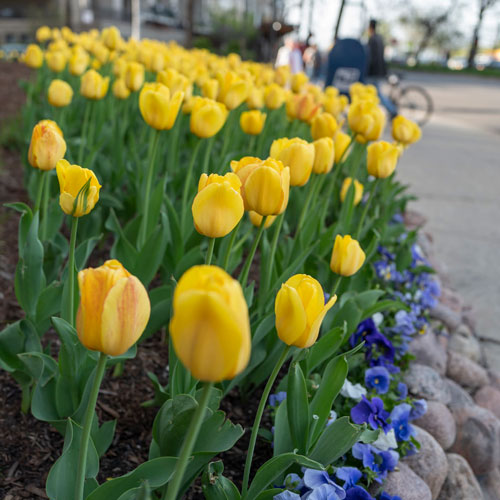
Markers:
point(43, 33)
point(366, 119)
point(33, 56)
point(405, 131)
point(210, 328)
point(47, 145)
point(252, 122)
point(347, 256)
point(323, 125)
point(358, 190)
point(382, 158)
point(114, 309)
point(134, 76)
point(120, 89)
point(274, 96)
point(300, 309)
point(218, 206)
point(335, 104)
point(298, 81)
point(256, 219)
point(158, 109)
point(207, 117)
point(324, 155)
point(342, 142)
point(210, 88)
point(93, 85)
point(56, 60)
point(296, 154)
point(79, 189)
point(60, 93)
point(265, 184)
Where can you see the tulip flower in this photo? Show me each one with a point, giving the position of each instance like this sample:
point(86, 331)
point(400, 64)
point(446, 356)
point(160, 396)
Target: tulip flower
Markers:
point(274, 96)
point(324, 155)
point(120, 89)
point(296, 154)
point(323, 125)
point(342, 142)
point(382, 158)
point(252, 122)
point(256, 219)
point(265, 184)
point(207, 117)
point(358, 190)
point(300, 308)
point(302, 107)
point(255, 99)
point(78, 62)
point(134, 75)
point(157, 107)
point(33, 56)
point(79, 189)
point(56, 60)
point(47, 145)
point(218, 206)
point(298, 81)
point(347, 256)
point(111, 37)
point(210, 329)
point(59, 93)
point(43, 33)
point(282, 75)
point(93, 85)
point(405, 131)
point(175, 81)
point(210, 88)
point(334, 104)
point(366, 119)
point(233, 90)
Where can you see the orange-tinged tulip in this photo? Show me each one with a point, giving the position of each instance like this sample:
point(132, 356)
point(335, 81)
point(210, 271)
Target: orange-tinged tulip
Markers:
point(347, 256)
point(302, 106)
point(47, 145)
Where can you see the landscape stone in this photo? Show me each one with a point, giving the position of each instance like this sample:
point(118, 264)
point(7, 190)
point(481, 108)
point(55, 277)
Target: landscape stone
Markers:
point(464, 342)
point(424, 382)
point(404, 483)
point(430, 462)
point(489, 397)
point(439, 423)
point(494, 378)
point(478, 438)
point(492, 354)
point(466, 372)
point(449, 317)
point(460, 484)
point(451, 299)
point(491, 484)
point(429, 351)
point(459, 398)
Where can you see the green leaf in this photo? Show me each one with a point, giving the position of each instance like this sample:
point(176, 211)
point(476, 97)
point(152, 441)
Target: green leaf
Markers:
point(282, 437)
point(83, 251)
point(217, 487)
point(49, 303)
point(325, 347)
point(384, 305)
point(298, 407)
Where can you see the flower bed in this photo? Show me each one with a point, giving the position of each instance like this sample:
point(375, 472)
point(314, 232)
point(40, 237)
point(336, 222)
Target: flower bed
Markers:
point(305, 307)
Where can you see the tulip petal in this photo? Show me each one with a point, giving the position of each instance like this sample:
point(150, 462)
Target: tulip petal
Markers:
point(314, 330)
point(263, 192)
point(291, 320)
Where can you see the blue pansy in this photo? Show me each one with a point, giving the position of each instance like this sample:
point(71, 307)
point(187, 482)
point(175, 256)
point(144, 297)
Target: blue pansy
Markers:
point(325, 492)
point(400, 416)
point(293, 482)
point(350, 476)
point(358, 493)
point(378, 378)
point(418, 409)
point(379, 351)
point(402, 390)
point(315, 478)
point(277, 399)
point(286, 495)
point(371, 412)
point(380, 462)
point(386, 496)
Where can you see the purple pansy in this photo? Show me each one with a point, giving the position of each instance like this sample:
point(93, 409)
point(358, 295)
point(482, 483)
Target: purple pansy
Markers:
point(378, 378)
point(371, 412)
point(400, 421)
point(350, 476)
point(358, 493)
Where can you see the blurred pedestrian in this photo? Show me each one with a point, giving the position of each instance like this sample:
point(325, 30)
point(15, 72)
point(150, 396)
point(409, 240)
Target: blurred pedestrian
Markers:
point(312, 62)
point(290, 55)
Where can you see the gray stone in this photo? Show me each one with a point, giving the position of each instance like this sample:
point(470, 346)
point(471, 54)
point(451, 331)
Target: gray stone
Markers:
point(489, 397)
point(478, 438)
point(465, 372)
point(464, 342)
point(424, 382)
point(492, 354)
point(451, 299)
point(439, 423)
point(459, 398)
point(429, 351)
point(491, 484)
point(430, 462)
point(460, 484)
point(449, 317)
point(494, 378)
point(405, 483)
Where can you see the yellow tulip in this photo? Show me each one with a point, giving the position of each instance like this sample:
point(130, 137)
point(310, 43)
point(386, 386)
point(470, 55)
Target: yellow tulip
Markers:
point(218, 206)
point(255, 99)
point(120, 89)
point(296, 154)
point(323, 125)
point(59, 93)
point(298, 81)
point(282, 75)
point(114, 309)
point(157, 62)
point(347, 256)
point(342, 142)
point(300, 309)
point(78, 62)
point(358, 190)
point(79, 189)
point(233, 90)
point(335, 104)
point(256, 219)
point(134, 75)
point(43, 33)
point(111, 37)
point(405, 131)
point(252, 122)
point(210, 328)
point(366, 119)
point(207, 117)
point(302, 107)
point(56, 60)
point(157, 107)
point(382, 158)
point(33, 56)
point(274, 96)
point(47, 145)
point(210, 88)
point(324, 155)
point(265, 184)
point(175, 81)
point(93, 85)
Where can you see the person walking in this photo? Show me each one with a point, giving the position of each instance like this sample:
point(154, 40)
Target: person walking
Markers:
point(377, 67)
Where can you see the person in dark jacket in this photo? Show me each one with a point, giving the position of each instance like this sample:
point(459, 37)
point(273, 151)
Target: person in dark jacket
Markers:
point(377, 67)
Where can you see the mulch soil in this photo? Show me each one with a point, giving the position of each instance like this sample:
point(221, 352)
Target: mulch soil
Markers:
point(28, 447)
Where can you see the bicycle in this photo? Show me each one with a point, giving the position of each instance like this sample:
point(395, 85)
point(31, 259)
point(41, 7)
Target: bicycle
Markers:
point(412, 101)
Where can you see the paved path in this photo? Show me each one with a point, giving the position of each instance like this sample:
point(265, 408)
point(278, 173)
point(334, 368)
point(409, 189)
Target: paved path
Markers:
point(455, 172)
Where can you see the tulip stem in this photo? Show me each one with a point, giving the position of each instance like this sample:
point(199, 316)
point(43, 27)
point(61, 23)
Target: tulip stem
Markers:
point(258, 418)
point(248, 262)
point(329, 193)
point(85, 126)
point(187, 184)
point(336, 284)
point(187, 447)
point(71, 270)
point(366, 208)
point(251, 145)
point(44, 209)
point(230, 246)
point(305, 206)
point(208, 150)
point(143, 230)
point(41, 184)
point(210, 251)
point(87, 426)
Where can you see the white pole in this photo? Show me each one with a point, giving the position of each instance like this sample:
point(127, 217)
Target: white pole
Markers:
point(136, 19)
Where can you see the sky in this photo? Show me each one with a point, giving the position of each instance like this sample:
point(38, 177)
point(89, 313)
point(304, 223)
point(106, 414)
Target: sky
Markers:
point(357, 14)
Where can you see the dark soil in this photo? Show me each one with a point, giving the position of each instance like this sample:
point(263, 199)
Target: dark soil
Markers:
point(28, 447)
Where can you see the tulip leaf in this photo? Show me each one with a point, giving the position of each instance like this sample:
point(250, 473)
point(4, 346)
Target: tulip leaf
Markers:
point(275, 468)
point(384, 305)
point(217, 487)
point(325, 347)
point(49, 304)
point(297, 407)
point(282, 437)
point(84, 250)
point(269, 494)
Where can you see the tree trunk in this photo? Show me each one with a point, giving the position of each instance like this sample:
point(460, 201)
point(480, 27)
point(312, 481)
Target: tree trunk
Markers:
point(339, 18)
point(190, 23)
point(475, 38)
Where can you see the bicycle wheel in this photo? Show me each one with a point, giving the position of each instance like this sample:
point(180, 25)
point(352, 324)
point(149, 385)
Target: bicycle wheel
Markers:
point(415, 103)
